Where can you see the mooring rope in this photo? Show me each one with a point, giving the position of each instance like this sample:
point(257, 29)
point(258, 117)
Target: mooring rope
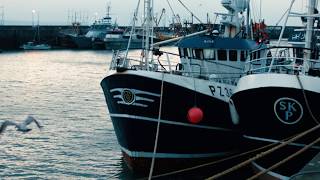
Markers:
point(258, 156)
point(157, 133)
point(306, 100)
point(218, 161)
point(285, 160)
point(212, 163)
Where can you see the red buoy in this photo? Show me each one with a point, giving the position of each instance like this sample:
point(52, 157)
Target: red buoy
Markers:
point(195, 115)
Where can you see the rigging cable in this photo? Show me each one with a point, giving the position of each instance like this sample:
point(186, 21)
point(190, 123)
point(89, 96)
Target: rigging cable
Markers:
point(190, 11)
point(271, 31)
point(158, 130)
point(174, 15)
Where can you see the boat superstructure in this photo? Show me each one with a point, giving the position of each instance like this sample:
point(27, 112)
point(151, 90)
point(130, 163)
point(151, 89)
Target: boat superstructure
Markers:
point(97, 31)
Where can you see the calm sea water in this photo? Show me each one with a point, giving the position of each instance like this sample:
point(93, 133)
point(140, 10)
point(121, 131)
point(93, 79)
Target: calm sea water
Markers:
point(62, 90)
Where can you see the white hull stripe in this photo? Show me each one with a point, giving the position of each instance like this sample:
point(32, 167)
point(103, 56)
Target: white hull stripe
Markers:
point(141, 154)
point(277, 141)
point(183, 81)
point(273, 174)
point(168, 122)
point(256, 81)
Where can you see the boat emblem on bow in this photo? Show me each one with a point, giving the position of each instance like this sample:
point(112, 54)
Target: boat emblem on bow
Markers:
point(288, 110)
point(134, 97)
point(128, 96)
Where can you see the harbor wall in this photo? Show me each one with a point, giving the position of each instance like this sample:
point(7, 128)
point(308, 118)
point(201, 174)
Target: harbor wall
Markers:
point(12, 37)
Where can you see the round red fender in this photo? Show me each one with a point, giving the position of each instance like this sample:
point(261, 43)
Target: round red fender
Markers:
point(195, 115)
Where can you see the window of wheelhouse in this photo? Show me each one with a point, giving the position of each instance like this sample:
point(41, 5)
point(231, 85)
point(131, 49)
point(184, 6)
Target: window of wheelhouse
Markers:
point(198, 53)
point(180, 52)
point(254, 55)
point(233, 55)
point(222, 55)
point(185, 52)
point(209, 54)
point(243, 55)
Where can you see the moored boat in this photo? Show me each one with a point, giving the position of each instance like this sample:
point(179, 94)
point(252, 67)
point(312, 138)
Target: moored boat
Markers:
point(35, 46)
point(152, 97)
point(94, 37)
point(277, 99)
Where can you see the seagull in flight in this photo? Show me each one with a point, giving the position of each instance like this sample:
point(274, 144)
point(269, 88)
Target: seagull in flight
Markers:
point(20, 126)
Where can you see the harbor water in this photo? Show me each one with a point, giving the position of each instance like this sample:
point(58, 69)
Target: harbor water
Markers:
point(62, 90)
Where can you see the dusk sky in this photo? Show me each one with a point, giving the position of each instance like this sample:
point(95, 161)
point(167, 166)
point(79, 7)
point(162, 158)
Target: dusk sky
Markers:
point(56, 11)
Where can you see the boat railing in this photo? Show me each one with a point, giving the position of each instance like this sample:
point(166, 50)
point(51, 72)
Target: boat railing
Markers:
point(138, 62)
point(287, 60)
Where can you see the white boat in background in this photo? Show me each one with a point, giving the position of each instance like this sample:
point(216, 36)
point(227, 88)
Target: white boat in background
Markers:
point(34, 46)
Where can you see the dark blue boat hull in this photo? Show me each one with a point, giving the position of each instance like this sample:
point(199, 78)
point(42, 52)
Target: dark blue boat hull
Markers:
point(135, 124)
point(272, 114)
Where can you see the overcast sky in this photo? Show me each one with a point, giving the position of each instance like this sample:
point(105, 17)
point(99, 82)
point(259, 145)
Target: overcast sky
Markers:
point(62, 11)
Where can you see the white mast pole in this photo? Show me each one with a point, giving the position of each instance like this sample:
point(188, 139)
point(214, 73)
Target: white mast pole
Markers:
point(248, 20)
point(309, 30)
point(147, 29)
point(310, 23)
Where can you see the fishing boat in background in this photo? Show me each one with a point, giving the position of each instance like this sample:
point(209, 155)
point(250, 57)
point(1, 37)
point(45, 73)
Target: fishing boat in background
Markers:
point(118, 39)
point(115, 40)
point(277, 98)
point(182, 101)
point(94, 37)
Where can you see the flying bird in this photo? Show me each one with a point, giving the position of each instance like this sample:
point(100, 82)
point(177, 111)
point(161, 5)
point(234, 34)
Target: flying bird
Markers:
point(20, 126)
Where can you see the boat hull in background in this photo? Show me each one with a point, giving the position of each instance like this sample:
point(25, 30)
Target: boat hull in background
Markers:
point(277, 109)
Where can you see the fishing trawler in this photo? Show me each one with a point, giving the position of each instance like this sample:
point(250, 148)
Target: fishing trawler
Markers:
point(94, 37)
point(181, 108)
point(277, 99)
point(119, 40)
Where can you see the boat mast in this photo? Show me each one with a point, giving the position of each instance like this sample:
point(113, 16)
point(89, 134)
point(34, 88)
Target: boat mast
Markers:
point(147, 30)
point(248, 21)
point(310, 23)
point(309, 33)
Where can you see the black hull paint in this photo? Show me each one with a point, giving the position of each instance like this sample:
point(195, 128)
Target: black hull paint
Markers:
point(256, 109)
point(179, 140)
point(262, 116)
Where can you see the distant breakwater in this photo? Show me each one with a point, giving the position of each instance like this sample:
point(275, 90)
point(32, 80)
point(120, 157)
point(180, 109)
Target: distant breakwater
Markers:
point(12, 37)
